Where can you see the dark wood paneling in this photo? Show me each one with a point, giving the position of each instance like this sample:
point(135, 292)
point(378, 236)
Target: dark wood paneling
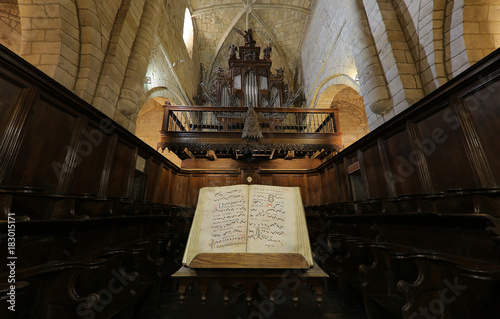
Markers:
point(334, 195)
point(374, 170)
point(10, 94)
point(343, 185)
point(325, 187)
point(169, 177)
point(213, 180)
point(232, 180)
point(280, 180)
point(153, 181)
point(195, 183)
point(85, 182)
point(266, 179)
point(40, 160)
point(483, 107)
point(230, 164)
point(180, 189)
point(122, 169)
point(315, 189)
point(162, 194)
point(445, 155)
point(404, 173)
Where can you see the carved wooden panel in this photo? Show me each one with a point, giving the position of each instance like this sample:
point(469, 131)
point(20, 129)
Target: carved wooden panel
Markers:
point(215, 180)
point(40, 160)
point(122, 170)
point(280, 180)
point(196, 182)
point(300, 180)
point(334, 195)
point(170, 177)
point(266, 179)
point(325, 186)
point(153, 181)
point(404, 173)
point(180, 190)
point(10, 94)
point(232, 180)
point(486, 120)
point(443, 147)
point(314, 187)
point(341, 172)
point(91, 152)
point(375, 174)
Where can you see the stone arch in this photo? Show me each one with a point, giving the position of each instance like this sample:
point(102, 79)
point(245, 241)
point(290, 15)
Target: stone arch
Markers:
point(481, 28)
point(92, 49)
point(393, 51)
point(439, 25)
point(372, 79)
point(10, 26)
point(164, 92)
point(149, 123)
point(352, 117)
point(455, 52)
point(132, 91)
point(115, 62)
point(418, 24)
point(332, 81)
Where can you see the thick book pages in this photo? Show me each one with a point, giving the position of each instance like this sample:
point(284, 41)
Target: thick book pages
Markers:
point(249, 226)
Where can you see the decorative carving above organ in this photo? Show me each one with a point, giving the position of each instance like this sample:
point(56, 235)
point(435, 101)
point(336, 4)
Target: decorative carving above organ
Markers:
point(249, 80)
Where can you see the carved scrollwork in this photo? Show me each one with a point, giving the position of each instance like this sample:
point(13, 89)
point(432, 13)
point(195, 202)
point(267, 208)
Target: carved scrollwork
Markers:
point(262, 72)
point(226, 147)
point(250, 56)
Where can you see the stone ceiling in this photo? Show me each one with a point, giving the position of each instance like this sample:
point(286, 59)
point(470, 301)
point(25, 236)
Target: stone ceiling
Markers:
point(279, 22)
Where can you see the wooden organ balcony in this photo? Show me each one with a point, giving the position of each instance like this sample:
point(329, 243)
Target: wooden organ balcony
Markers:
point(195, 131)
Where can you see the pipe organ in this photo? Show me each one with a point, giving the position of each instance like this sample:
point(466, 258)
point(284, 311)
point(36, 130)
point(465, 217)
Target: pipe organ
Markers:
point(249, 80)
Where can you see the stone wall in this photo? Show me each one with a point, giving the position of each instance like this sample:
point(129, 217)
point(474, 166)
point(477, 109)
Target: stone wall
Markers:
point(10, 25)
point(352, 115)
point(102, 50)
point(400, 50)
point(149, 122)
point(481, 26)
point(391, 52)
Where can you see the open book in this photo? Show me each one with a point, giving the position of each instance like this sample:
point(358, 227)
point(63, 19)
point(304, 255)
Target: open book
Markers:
point(249, 226)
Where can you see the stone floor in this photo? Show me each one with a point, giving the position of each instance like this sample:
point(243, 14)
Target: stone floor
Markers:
point(236, 307)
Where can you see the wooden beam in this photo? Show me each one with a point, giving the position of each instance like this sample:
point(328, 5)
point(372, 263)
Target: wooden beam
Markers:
point(272, 154)
point(317, 153)
point(189, 154)
point(211, 155)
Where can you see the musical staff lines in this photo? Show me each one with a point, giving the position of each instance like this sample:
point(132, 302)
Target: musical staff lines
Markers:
point(266, 222)
point(229, 218)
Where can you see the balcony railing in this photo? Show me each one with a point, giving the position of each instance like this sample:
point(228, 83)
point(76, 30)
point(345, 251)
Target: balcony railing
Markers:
point(232, 119)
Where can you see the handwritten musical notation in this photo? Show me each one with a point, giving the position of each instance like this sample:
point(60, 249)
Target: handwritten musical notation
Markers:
point(229, 218)
point(266, 220)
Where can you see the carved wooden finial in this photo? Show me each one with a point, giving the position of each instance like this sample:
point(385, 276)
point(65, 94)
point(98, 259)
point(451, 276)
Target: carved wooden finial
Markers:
point(252, 125)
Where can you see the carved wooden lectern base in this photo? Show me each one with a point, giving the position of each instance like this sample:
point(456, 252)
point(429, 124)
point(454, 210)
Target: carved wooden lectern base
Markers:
point(249, 278)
